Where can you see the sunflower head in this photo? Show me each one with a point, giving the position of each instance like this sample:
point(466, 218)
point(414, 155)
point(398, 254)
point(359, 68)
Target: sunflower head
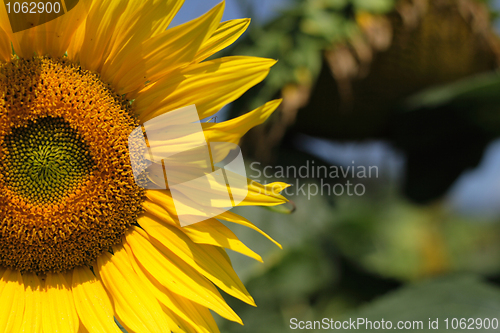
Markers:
point(78, 231)
point(65, 181)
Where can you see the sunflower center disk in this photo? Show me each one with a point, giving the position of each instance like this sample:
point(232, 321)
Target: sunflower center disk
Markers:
point(46, 160)
point(67, 190)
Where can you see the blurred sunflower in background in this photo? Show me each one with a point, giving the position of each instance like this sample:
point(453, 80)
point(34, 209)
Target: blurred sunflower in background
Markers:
point(80, 242)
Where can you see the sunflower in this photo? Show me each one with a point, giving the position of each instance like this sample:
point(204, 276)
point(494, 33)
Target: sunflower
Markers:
point(81, 243)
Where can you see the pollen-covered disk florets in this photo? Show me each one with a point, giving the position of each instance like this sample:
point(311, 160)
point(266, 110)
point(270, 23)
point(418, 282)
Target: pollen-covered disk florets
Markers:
point(66, 185)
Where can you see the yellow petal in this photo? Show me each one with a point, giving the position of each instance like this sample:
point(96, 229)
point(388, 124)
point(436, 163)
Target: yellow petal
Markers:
point(149, 60)
point(213, 232)
point(226, 34)
point(99, 28)
point(76, 42)
point(5, 48)
point(204, 259)
point(52, 37)
point(232, 130)
point(174, 325)
point(176, 275)
point(32, 320)
point(61, 30)
point(256, 195)
point(136, 308)
point(235, 218)
point(158, 211)
point(229, 131)
point(209, 85)
point(186, 312)
point(12, 301)
point(202, 319)
point(83, 329)
point(92, 303)
point(265, 195)
point(171, 12)
point(160, 205)
point(58, 308)
point(140, 21)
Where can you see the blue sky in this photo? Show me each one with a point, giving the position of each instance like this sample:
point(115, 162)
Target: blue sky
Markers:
point(264, 9)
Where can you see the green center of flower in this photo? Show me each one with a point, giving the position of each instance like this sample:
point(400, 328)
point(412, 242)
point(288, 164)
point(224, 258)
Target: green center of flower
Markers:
point(46, 160)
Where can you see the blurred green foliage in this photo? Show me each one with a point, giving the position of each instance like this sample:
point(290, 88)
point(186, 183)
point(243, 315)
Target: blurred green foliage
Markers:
point(398, 252)
point(299, 35)
point(464, 298)
point(368, 257)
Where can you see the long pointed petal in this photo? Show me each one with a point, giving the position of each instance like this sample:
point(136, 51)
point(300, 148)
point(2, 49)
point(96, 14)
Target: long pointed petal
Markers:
point(99, 28)
point(141, 21)
point(149, 60)
point(5, 48)
point(209, 85)
point(51, 38)
point(32, 320)
point(226, 34)
point(58, 307)
point(213, 232)
point(92, 303)
point(12, 296)
point(161, 206)
point(187, 312)
point(205, 260)
point(136, 308)
point(232, 130)
point(176, 275)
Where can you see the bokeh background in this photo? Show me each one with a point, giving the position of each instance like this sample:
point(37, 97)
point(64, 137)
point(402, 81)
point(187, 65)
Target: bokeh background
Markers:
point(409, 86)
